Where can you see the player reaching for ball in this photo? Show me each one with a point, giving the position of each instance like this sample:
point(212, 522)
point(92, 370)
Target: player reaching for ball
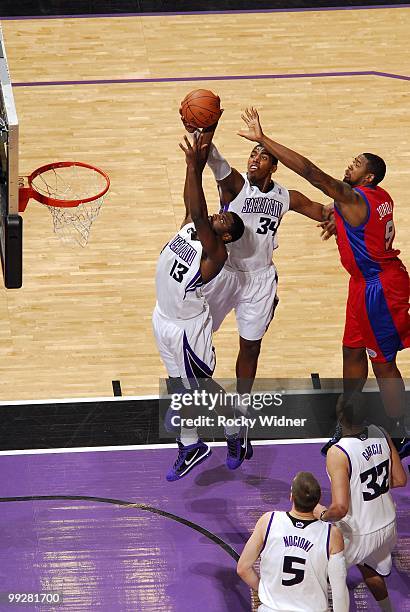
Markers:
point(377, 312)
point(248, 281)
point(181, 320)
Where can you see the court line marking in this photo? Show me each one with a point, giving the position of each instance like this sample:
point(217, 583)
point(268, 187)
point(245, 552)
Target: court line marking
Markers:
point(129, 504)
point(221, 12)
point(80, 400)
point(372, 388)
point(141, 447)
point(185, 79)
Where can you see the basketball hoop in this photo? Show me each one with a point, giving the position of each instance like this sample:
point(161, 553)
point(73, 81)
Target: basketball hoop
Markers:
point(73, 193)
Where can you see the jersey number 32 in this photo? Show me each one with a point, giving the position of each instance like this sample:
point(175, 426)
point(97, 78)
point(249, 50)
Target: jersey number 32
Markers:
point(376, 480)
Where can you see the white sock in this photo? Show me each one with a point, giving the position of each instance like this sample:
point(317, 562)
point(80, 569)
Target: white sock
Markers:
point(189, 435)
point(385, 604)
point(231, 429)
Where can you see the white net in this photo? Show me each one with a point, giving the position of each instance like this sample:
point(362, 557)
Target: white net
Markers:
point(75, 182)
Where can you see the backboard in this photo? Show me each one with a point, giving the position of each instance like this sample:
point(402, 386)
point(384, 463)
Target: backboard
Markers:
point(11, 224)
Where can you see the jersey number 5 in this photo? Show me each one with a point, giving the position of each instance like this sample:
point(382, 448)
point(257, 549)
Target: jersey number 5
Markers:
point(178, 270)
point(377, 488)
point(289, 568)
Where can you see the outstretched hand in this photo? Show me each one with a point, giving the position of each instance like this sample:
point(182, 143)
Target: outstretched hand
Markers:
point(328, 225)
point(196, 153)
point(254, 131)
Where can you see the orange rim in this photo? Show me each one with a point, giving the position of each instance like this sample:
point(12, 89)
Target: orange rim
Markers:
point(49, 201)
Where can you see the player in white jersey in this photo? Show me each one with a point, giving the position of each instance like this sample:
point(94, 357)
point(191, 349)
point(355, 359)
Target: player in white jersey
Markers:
point(181, 321)
point(363, 466)
point(298, 554)
point(248, 281)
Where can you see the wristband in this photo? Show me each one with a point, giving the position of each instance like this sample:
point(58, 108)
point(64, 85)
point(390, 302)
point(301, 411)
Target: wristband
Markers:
point(322, 514)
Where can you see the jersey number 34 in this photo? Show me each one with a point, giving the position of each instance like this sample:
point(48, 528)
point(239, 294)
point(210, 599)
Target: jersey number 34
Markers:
point(267, 224)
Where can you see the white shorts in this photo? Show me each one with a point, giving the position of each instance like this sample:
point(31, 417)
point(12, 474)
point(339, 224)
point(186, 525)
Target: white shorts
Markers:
point(185, 346)
point(372, 549)
point(251, 294)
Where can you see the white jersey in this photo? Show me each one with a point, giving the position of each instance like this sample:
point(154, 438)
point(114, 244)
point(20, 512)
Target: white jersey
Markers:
point(371, 505)
point(294, 564)
point(178, 278)
point(261, 213)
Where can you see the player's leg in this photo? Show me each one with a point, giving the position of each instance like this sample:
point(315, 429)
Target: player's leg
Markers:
point(392, 390)
point(254, 312)
point(355, 363)
point(377, 586)
point(355, 369)
point(372, 555)
point(387, 303)
point(247, 363)
point(186, 349)
point(376, 565)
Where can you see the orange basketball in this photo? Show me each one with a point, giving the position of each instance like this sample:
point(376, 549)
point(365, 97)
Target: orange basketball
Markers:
point(201, 108)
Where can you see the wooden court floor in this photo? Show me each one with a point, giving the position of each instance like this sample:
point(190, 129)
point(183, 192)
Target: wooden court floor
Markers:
point(107, 91)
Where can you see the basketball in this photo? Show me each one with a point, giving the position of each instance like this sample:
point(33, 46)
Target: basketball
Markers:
point(201, 108)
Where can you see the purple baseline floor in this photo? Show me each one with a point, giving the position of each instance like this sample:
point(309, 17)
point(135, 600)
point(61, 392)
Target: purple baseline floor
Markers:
point(105, 557)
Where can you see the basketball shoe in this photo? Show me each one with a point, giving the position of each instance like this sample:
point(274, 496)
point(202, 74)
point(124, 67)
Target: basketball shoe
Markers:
point(402, 446)
point(239, 448)
point(188, 458)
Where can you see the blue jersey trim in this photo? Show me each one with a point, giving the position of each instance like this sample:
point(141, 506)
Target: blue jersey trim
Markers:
point(367, 266)
point(267, 532)
point(328, 542)
point(368, 209)
point(355, 227)
point(381, 320)
point(355, 235)
point(195, 282)
point(195, 368)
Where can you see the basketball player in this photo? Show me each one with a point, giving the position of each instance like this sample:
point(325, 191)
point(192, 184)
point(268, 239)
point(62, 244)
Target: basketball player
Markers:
point(181, 320)
point(377, 312)
point(298, 553)
point(248, 282)
point(363, 466)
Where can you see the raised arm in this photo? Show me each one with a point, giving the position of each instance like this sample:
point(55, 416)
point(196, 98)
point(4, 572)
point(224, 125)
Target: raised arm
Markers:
point(215, 253)
point(351, 203)
point(319, 212)
point(229, 180)
point(207, 134)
